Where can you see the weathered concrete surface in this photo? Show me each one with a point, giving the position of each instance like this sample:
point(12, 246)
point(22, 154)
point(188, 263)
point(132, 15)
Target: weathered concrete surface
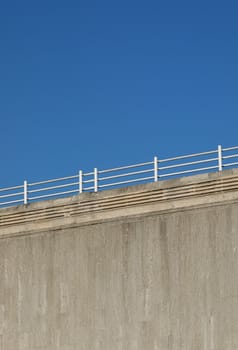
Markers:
point(155, 276)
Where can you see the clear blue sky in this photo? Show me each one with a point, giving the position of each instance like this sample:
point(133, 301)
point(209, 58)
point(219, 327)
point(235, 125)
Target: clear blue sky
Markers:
point(108, 83)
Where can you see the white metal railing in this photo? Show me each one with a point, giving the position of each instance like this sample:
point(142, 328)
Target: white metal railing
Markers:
point(215, 160)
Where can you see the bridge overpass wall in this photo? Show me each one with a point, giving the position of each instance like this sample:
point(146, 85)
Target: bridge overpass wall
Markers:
point(148, 267)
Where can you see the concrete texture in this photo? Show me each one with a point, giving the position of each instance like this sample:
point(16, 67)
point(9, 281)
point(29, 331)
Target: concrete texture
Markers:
point(154, 275)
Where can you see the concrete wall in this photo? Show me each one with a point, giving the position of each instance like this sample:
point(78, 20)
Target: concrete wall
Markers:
point(158, 275)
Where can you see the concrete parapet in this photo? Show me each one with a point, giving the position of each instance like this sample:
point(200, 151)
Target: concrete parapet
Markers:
point(134, 200)
point(147, 267)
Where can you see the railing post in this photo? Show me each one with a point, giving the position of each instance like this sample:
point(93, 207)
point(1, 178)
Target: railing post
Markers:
point(219, 157)
point(80, 181)
point(95, 179)
point(155, 169)
point(25, 192)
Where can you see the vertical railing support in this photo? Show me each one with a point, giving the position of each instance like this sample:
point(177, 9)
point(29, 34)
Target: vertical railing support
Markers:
point(219, 158)
point(80, 181)
point(25, 192)
point(155, 169)
point(95, 179)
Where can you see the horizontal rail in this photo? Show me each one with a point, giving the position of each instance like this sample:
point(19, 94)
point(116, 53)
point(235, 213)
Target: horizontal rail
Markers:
point(12, 202)
point(10, 188)
point(187, 156)
point(88, 188)
point(53, 187)
point(52, 194)
point(128, 174)
point(88, 181)
point(11, 195)
point(230, 148)
point(127, 181)
point(230, 164)
point(230, 156)
point(125, 167)
point(88, 174)
point(189, 163)
point(53, 180)
point(189, 171)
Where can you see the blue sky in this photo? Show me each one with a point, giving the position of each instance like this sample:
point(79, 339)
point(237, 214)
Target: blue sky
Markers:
point(108, 83)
